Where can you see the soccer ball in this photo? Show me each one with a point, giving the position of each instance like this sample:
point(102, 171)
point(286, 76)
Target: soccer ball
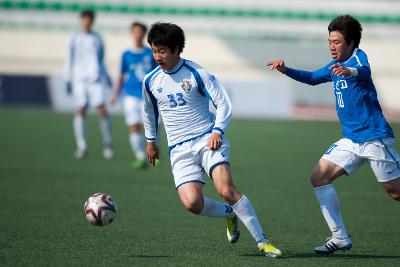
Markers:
point(100, 209)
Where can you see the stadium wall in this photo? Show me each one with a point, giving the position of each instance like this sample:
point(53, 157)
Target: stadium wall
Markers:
point(239, 36)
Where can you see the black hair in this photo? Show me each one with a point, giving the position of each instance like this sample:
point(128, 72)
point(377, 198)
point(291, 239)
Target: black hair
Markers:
point(168, 34)
point(139, 24)
point(88, 13)
point(348, 26)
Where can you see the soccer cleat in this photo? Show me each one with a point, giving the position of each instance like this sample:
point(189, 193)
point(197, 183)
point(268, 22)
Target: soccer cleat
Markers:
point(334, 244)
point(270, 250)
point(81, 153)
point(138, 164)
point(108, 152)
point(232, 228)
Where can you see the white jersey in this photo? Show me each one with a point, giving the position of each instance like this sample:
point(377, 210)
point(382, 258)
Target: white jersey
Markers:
point(182, 97)
point(85, 57)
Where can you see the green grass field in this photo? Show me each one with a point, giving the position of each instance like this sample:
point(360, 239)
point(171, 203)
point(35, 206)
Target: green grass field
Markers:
point(43, 188)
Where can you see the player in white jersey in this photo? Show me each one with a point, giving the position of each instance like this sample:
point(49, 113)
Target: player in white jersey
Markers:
point(180, 91)
point(136, 62)
point(87, 78)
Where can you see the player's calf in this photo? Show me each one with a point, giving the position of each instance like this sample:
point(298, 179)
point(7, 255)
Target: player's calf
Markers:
point(230, 194)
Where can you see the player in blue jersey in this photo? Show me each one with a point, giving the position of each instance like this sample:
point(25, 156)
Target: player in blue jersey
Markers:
point(86, 77)
point(180, 91)
point(136, 62)
point(367, 136)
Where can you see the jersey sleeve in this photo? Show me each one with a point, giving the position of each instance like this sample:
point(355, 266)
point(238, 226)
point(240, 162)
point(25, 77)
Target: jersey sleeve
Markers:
point(363, 67)
point(150, 121)
point(217, 94)
point(310, 77)
point(123, 66)
point(69, 60)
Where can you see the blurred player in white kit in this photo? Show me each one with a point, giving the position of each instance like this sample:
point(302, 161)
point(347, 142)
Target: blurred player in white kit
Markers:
point(86, 77)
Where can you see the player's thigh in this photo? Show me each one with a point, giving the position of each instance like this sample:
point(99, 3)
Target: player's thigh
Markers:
point(185, 166)
point(191, 196)
point(223, 182)
point(217, 165)
point(96, 94)
point(210, 159)
point(340, 158)
point(133, 110)
point(79, 90)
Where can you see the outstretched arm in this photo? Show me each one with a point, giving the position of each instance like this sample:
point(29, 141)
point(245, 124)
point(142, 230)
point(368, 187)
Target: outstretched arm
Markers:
point(312, 78)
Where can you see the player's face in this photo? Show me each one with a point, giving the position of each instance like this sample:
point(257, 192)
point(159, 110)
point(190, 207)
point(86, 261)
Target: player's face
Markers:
point(86, 23)
point(138, 36)
point(340, 49)
point(165, 57)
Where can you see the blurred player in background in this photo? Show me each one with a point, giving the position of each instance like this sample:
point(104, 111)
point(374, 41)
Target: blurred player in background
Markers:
point(181, 90)
point(136, 62)
point(87, 78)
point(367, 136)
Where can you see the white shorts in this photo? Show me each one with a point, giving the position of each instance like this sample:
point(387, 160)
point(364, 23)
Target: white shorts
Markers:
point(191, 159)
point(92, 94)
point(133, 110)
point(379, 153)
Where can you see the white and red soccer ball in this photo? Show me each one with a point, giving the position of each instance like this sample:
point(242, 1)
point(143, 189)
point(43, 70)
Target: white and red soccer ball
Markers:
point(100, 209)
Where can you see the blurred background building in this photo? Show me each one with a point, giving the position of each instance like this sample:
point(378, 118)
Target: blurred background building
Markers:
point(231, 38)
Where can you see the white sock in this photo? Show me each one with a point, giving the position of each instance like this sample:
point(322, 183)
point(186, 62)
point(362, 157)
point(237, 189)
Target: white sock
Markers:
point(137, 144)
point(245, 212)
point(105, 127)
point(217, 209)
point(330, 207)
point(79, 131)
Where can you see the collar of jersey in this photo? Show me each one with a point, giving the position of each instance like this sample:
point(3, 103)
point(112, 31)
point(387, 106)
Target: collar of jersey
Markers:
point(135, 50)
point(352, 55)
point(176, 68)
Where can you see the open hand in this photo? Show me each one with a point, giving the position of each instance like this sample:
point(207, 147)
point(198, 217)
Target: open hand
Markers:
point(339, 70)
point(278, 65)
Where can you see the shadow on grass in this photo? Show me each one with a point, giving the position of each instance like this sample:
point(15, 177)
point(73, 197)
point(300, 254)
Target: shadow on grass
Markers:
point(336, 256)
point(150, 256)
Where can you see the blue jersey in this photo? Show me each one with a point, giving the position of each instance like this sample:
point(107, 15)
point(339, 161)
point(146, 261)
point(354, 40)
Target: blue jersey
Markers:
point(357, 103)
point(135, 64)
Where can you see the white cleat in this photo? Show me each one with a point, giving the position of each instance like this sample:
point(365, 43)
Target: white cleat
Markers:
point(334, 244)
point(81, 153)
point(108, 152)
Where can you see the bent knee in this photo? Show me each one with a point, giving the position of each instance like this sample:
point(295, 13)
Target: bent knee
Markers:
point(394, 195)
point(318, 179)
point(230, 194)
point(195, 206)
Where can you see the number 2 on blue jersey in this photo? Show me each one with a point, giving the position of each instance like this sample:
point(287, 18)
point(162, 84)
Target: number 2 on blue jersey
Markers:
point(174, 103)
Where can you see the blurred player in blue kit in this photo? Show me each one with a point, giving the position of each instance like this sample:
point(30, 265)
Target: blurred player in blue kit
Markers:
point(86, 77)
point(367, 136)
point(180, 90)
point(136, 62)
